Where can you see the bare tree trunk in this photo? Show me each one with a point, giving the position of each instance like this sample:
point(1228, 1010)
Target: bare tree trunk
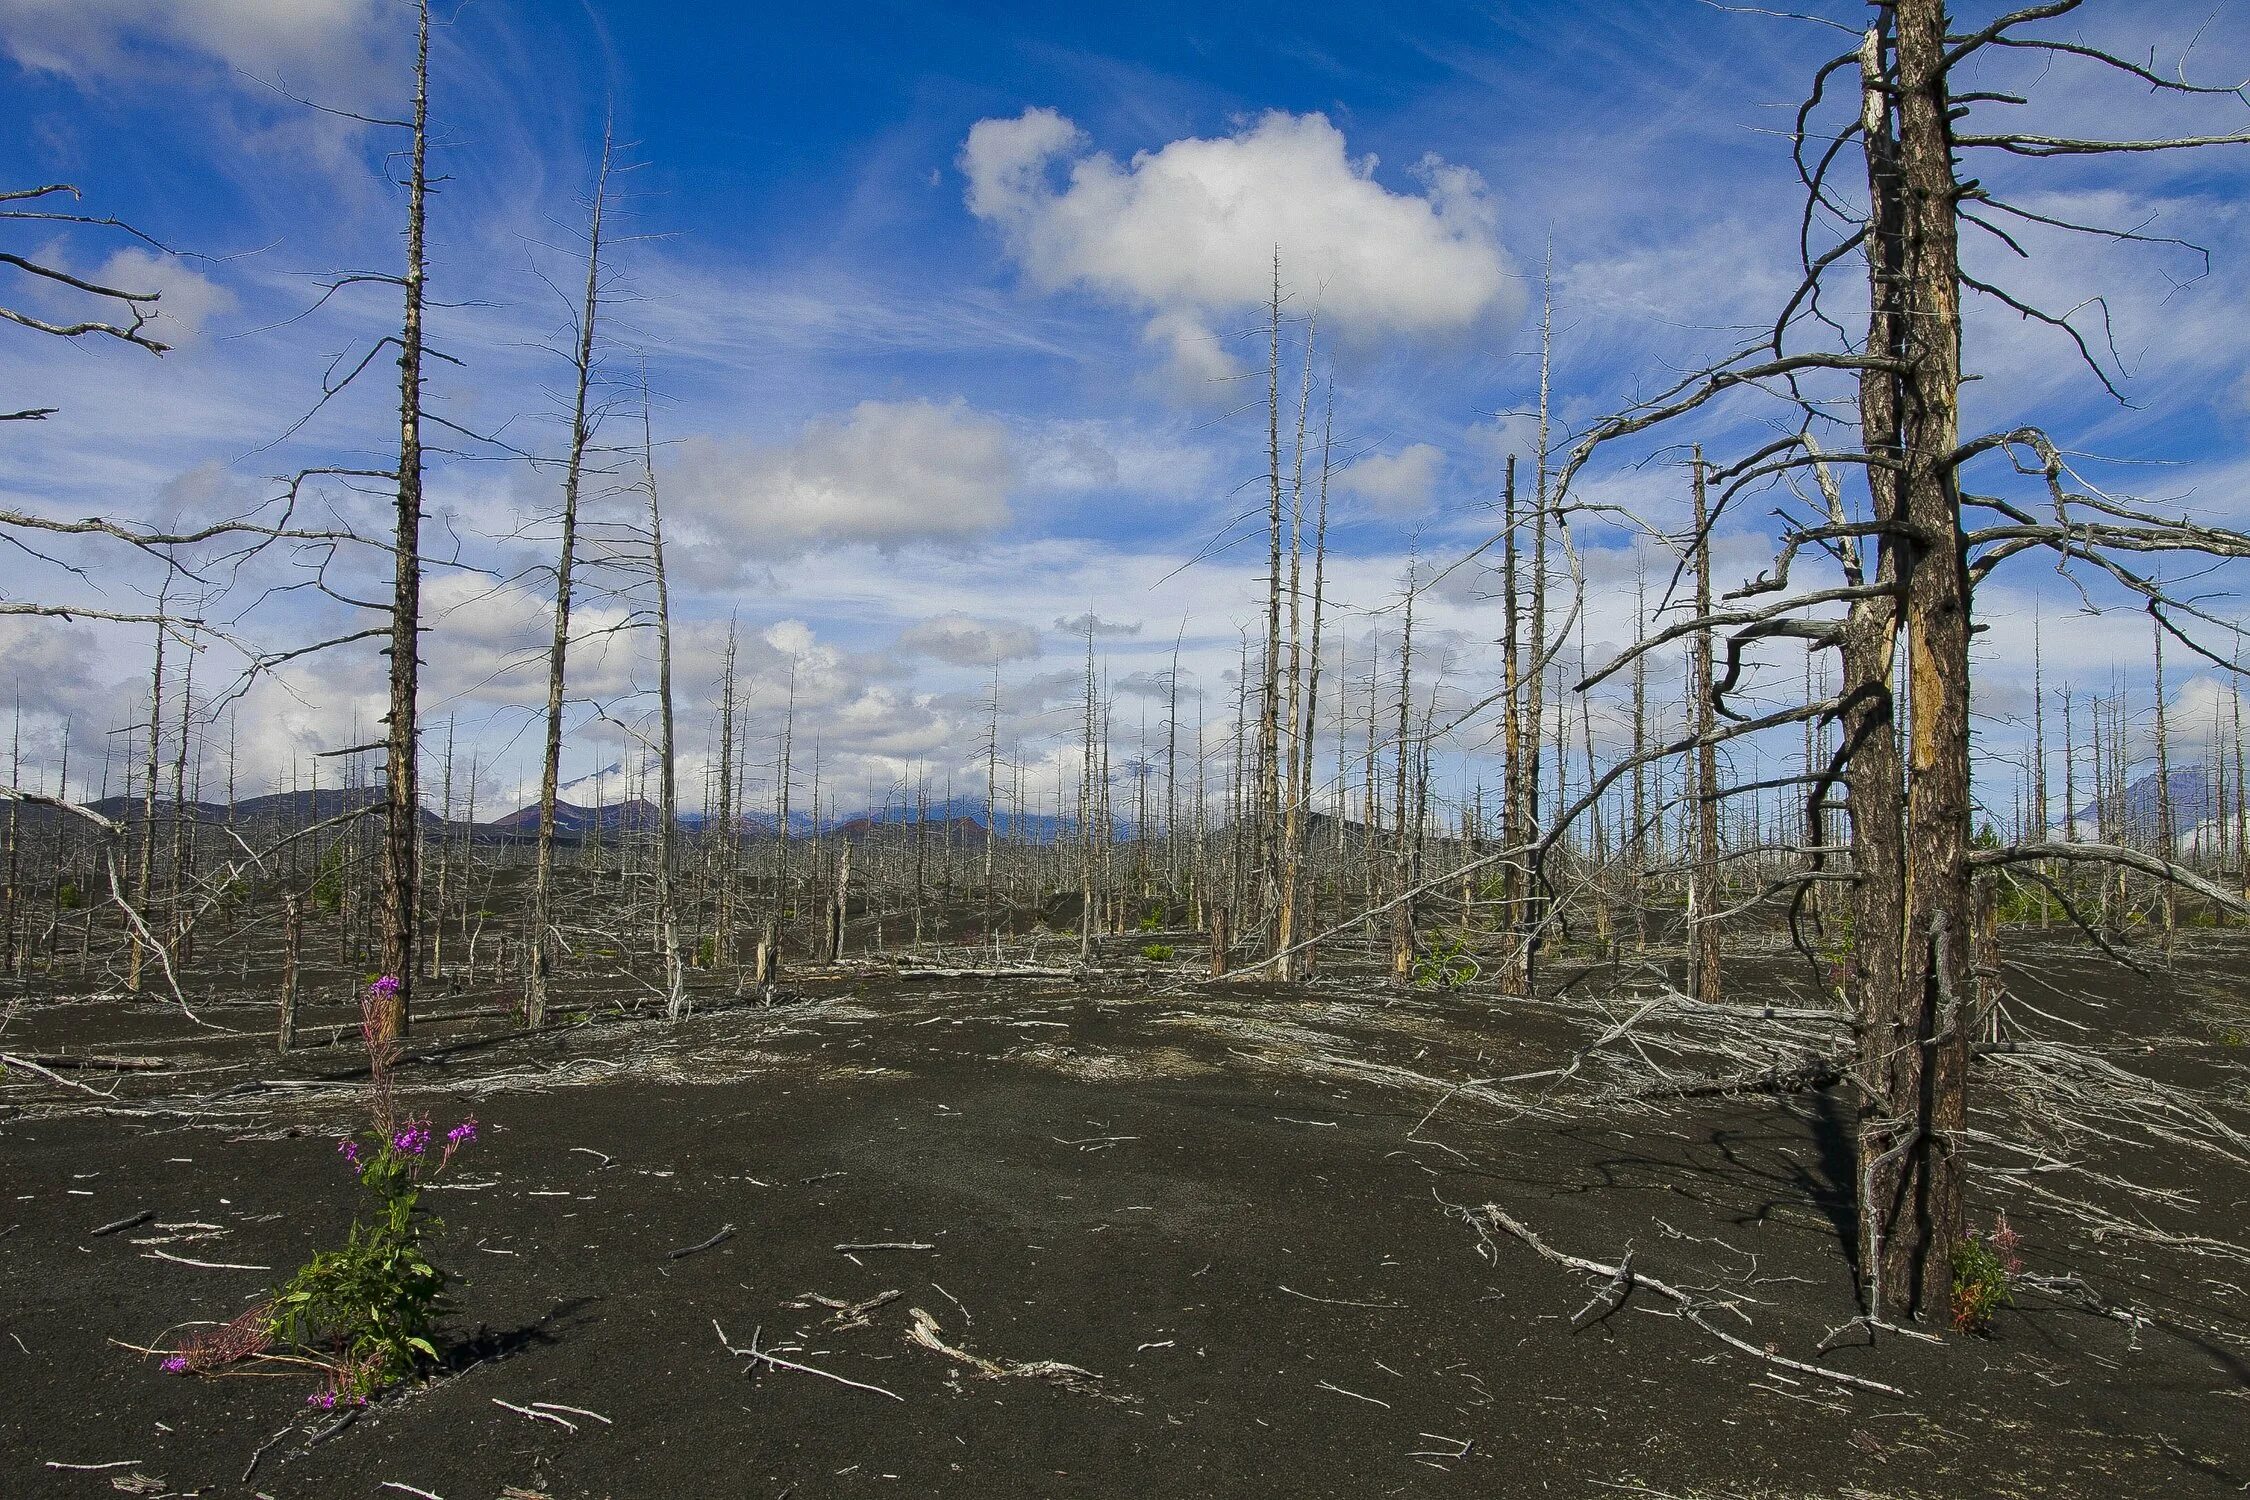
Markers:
point(401, 927)
point(1639, 842)
point(722, 927)
point(144, 870)
point(2167, 830)
point(1703, 889)
point(668, 782)
point(1269, 707)
point(1172, 765)
point(292, 942)
point(17, 930)
point(2070, 772)
point(1514, 830)
point(991, 813)
point(780, 904)
point(1534, 906)
point(1402, 914)
point(544, 942)
point(1292, 817)
point(841, 911)
point(2241, 782)
point(1306, 731)
point(2041, 815)
point(445, 861)
point(175, 929)
point(1086, 811)
point(1915, 916)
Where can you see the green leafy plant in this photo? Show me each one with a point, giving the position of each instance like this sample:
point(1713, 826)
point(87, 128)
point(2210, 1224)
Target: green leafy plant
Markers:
point(1156, 953)
point(1983, 1277)
point(373, 1304)
point(1445, 964)
point(67, 895)
point(1153, 920)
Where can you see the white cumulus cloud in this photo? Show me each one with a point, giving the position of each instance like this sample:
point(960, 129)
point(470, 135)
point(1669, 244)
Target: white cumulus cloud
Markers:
point(1189, 231)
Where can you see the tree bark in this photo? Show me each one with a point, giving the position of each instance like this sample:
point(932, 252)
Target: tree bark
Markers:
point(401, 928)
point(1914, 903)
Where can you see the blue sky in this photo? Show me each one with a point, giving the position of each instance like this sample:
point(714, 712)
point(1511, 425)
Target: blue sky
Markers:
point(949, 315)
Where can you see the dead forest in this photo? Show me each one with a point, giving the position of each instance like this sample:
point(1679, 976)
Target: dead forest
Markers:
point(1742, 1022)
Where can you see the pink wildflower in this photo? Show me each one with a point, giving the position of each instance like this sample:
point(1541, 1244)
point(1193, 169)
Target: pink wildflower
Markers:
point(2005, 1241)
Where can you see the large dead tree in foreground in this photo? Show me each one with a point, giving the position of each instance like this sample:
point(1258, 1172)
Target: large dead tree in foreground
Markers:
point(1909, 559)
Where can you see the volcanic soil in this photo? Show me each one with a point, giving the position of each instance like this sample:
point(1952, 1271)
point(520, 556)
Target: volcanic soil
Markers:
point(1240, 1221)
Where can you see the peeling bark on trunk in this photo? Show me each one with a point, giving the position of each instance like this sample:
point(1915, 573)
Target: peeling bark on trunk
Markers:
point(1914, 909)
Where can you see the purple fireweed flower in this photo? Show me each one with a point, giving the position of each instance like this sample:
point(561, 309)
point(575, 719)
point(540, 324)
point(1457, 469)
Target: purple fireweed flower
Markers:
point(176, 1365)
point(348, 1149)
point(413, 1140)
point(385, 987)
point(463, 1133)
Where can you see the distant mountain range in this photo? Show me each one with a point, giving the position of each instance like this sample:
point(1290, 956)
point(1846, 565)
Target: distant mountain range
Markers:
point(2195, 811)
point(2137, 812)
point(961, 818)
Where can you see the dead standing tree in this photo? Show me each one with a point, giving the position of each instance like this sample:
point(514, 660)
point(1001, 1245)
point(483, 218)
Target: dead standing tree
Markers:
point(541, 951)
point(1909, 564)
point(668, 796)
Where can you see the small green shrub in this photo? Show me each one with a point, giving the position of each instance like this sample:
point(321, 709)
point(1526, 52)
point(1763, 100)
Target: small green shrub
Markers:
point(1153, 920)
point(378, 1298)
point(67, 895)
point(1983, 1277)
point(373, 1304)
point(1445, 964)
point(1157, 953)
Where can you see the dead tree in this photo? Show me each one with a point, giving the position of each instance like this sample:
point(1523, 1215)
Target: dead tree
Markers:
point(1909, 563)
point(668, 795)
point(402, 805)
point(1267, 816)
point(543, 940)
point(1703, 884)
